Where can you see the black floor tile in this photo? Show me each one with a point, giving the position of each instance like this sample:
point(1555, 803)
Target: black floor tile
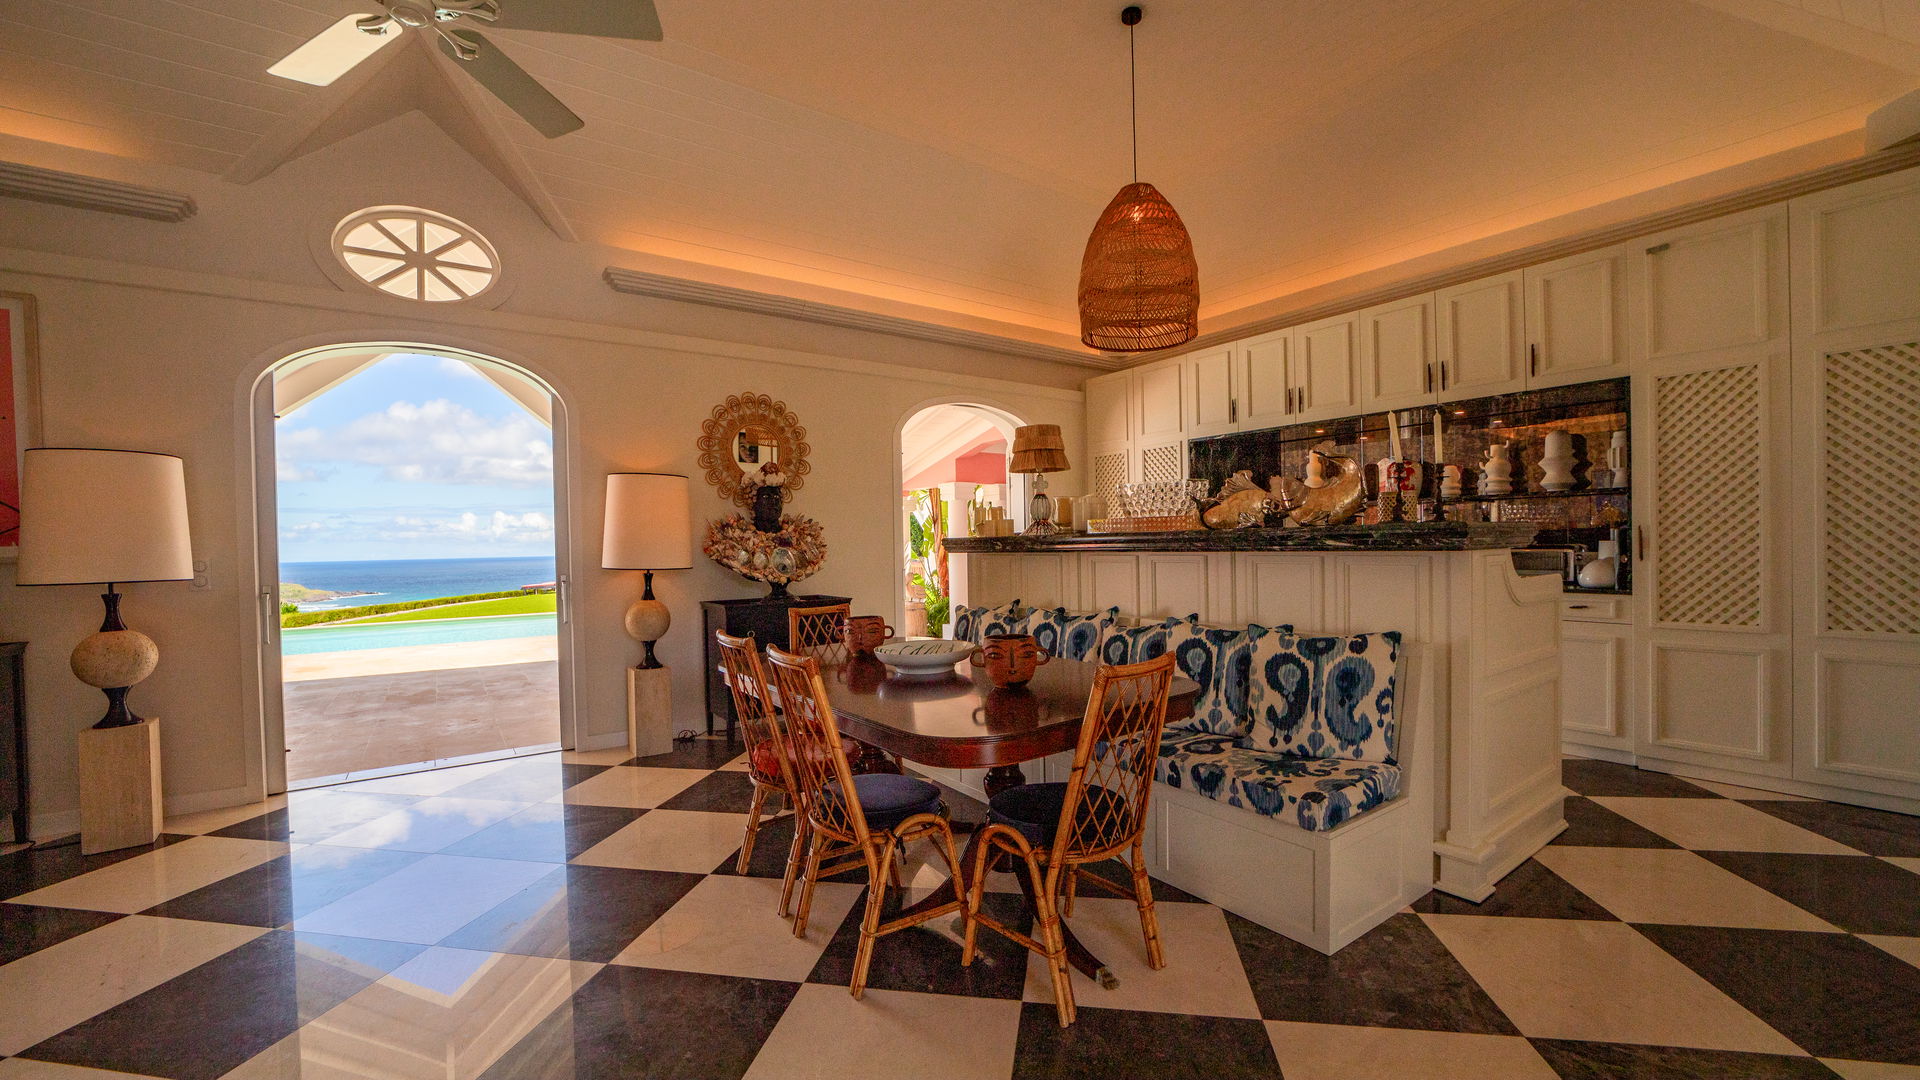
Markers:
point(1106, 1044)
point(1611, 1061)
point(1587, 776)
point(1833, 994)
point(926, 958)
point(1591, 825)
point(200, 1025)
point(729, 792)
point(1876, 832)
point(1531, 892)
point(576, 913)
point(37, 868)
point(25, 929)
point(1116, 871)
point(545, 832)
point(770, 847)
point(277, 892)
point(639, 1022)
point(1854, 892)
point(531, 780)
point(307, 818)
point(696, 753)
point(1398, 975)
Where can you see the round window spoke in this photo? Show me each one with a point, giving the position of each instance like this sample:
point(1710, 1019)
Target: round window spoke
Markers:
point(432, 258)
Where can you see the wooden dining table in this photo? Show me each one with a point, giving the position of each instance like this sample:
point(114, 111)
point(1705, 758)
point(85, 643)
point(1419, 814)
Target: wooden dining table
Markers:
point(959, 720)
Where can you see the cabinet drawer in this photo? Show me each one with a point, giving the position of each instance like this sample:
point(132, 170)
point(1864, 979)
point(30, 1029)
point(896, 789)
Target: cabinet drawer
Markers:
point(1596, 609)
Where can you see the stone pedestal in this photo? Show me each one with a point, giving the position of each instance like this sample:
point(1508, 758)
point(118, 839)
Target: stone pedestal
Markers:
point(649, 710)
point(119, 786)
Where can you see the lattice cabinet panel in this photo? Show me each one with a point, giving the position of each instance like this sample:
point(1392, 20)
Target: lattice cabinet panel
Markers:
point(1710, 468)
point(1164, 462)
point(1871, 494)
point(1109, 472)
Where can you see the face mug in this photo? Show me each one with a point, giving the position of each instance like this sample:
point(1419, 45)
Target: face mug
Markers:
point(1010, 659)
point(865, 633)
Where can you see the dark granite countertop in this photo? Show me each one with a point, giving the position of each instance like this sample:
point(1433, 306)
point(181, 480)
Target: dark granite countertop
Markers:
point(1410, 536)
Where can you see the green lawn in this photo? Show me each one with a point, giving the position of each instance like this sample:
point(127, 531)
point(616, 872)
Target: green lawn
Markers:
point(529, 604)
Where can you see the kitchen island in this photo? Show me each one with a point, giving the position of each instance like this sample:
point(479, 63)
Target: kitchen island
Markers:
point(1480, 742)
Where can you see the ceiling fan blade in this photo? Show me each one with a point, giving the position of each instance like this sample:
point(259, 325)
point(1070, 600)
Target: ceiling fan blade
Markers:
point(635, 20)
point(510, 83)
point(333, 52)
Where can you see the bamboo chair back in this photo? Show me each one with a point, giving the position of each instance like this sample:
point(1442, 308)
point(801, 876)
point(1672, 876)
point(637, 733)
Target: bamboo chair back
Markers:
point(819, 631)
point(1106, 802)
point(815, 751)
point(753, 707)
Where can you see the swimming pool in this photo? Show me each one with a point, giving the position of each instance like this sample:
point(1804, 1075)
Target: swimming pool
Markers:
point(352, 638)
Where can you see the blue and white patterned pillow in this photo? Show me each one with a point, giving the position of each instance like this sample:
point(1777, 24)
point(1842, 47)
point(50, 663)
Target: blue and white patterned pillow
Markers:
point(974, 623)
point(1220, 659)
point(1325, 697)
point(1132, 644)
point(1068, 635)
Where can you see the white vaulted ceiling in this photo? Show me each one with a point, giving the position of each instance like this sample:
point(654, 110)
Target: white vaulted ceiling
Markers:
point(952, 156)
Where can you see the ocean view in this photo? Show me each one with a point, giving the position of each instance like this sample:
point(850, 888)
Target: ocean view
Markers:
point(396, 580)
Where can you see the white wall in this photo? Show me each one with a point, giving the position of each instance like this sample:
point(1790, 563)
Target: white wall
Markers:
point(151, 337)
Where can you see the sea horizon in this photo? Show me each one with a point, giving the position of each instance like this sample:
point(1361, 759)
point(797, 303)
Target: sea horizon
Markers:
point(387, 581)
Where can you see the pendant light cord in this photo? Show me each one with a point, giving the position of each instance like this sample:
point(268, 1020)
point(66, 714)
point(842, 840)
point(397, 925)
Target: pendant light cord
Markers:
point(1133, 102)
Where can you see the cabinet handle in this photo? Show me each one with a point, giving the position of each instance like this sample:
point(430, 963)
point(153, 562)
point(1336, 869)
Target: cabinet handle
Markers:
point(1639, 543)
point(1233, 410)
point(1533, 360)
point(1577, 607)
point(1443, 374)
point(1429, 383)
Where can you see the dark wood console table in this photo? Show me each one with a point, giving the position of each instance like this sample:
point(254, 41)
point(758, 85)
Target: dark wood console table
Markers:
point(764, 617)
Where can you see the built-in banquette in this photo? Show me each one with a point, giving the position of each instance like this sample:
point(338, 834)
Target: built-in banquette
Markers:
point(1377, 712)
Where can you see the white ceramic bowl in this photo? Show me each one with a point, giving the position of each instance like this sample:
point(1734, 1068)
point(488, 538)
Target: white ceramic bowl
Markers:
point(923, 655)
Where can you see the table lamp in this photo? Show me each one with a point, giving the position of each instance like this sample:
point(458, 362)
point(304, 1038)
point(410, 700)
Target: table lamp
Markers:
point(648, 529)
point(1039, 449)
point(92, 517)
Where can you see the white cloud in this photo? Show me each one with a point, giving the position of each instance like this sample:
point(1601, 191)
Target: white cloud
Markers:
point(469, 526)
point(290, 472)
point(437, 442)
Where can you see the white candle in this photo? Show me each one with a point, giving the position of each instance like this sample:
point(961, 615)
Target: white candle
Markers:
point(1393, 436)
point(1439, 451)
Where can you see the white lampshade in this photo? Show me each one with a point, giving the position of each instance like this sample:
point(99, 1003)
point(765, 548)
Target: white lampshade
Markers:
point(649, 519)
point(98, 516)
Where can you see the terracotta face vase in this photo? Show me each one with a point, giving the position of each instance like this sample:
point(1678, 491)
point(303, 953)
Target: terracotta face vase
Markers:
point(865, 633)
point(1010, 659)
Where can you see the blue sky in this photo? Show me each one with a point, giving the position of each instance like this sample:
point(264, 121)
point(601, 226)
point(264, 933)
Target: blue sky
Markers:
point(415, 457)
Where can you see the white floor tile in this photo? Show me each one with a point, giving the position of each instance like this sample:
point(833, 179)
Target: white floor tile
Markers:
point(732, 926)
point(1203, 976)
point(1720, 825)
point(635, 787)
point(1906, 948)
point(1340, 1052)
point(827, 1035)
point(688, 841)
point(1905, 864)
point(1647, 885)
point(51, 990)
point(207, 821)
point(157, 876)
point(611, 756)
point(427, 825)
point(1600, 981)
point(426, 901)
point(1871, 1070)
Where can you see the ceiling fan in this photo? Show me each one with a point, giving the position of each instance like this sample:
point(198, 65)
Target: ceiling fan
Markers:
point(334, 51)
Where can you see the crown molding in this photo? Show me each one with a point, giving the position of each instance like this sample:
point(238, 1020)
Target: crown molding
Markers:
point(92, 193)
point(666, 287)
point(1890, 160)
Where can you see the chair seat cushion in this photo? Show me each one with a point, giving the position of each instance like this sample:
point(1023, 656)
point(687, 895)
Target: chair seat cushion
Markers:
point(1317, 794)
point(1034, 809)
point(887, 799)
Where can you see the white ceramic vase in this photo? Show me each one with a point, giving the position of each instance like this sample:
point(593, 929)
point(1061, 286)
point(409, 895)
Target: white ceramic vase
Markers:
point(1558, 462)
point(1496, 477)
point(1617, 459)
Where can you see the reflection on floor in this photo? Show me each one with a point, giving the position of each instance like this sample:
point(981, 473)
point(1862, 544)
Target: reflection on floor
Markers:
point(579, 916)
point(347, 725)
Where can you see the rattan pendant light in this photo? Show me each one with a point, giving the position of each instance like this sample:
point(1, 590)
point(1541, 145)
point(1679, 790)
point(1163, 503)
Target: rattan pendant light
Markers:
point(1139, 284)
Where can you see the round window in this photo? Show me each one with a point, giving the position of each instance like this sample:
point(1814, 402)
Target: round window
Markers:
point(416, 254)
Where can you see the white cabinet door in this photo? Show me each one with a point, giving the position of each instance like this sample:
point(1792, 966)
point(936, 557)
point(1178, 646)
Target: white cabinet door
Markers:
point(1107, 408)
point(1264, 364)
point(1159, 405)
point(1212, 387)
point(1397, 368)
point(1721, 285)
point(1481, 343)
point(1856, 420)
point(1324, 374)
point(1577, 317)
point(1595, 684)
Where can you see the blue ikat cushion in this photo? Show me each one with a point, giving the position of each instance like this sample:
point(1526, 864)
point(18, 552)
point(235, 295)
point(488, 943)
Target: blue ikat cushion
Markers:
point(1066, 634)
point(1132, 644)
point(1325, 697)
point(974, 623)
point(1220, 659)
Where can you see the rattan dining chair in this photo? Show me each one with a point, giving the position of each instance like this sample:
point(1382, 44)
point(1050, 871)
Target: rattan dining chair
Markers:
point(819, 631)
point(887, 812)
point(769, 765)
point(1100, 811)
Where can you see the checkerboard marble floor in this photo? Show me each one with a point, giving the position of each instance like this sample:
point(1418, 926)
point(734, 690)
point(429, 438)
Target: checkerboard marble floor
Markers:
point(578, 915)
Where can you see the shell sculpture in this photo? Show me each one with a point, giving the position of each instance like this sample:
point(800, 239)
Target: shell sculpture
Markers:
point(1239, 495)
point(1335, 503)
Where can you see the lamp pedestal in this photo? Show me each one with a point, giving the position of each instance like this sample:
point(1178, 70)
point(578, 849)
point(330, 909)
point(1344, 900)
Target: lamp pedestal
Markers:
point(119, 786)
point(650, 710)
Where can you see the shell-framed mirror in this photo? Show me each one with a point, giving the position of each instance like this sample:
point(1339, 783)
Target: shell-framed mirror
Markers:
point(745, 434)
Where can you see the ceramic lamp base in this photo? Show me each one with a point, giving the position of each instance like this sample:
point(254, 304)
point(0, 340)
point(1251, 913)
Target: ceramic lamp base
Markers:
point(114, 659)
point(647, 622)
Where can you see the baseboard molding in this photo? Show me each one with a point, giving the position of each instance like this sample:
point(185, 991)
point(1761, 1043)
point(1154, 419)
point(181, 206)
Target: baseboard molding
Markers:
point(1471, 873)
point(49, 826)
point(1871, 799)
point(606, 740)
point(193, 803)
point(1597, 753)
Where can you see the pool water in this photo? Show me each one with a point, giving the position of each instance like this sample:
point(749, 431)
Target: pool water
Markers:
point(352, 638)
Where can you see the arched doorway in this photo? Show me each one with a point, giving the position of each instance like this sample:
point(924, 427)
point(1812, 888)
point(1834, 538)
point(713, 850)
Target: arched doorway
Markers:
point(953, 459)
point(457, 658)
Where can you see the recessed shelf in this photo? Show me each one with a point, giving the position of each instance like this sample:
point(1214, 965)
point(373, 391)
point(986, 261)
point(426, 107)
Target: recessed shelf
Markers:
point(1521, 496)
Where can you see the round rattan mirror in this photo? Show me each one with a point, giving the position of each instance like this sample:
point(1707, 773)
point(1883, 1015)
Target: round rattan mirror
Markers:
point(746, 434)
